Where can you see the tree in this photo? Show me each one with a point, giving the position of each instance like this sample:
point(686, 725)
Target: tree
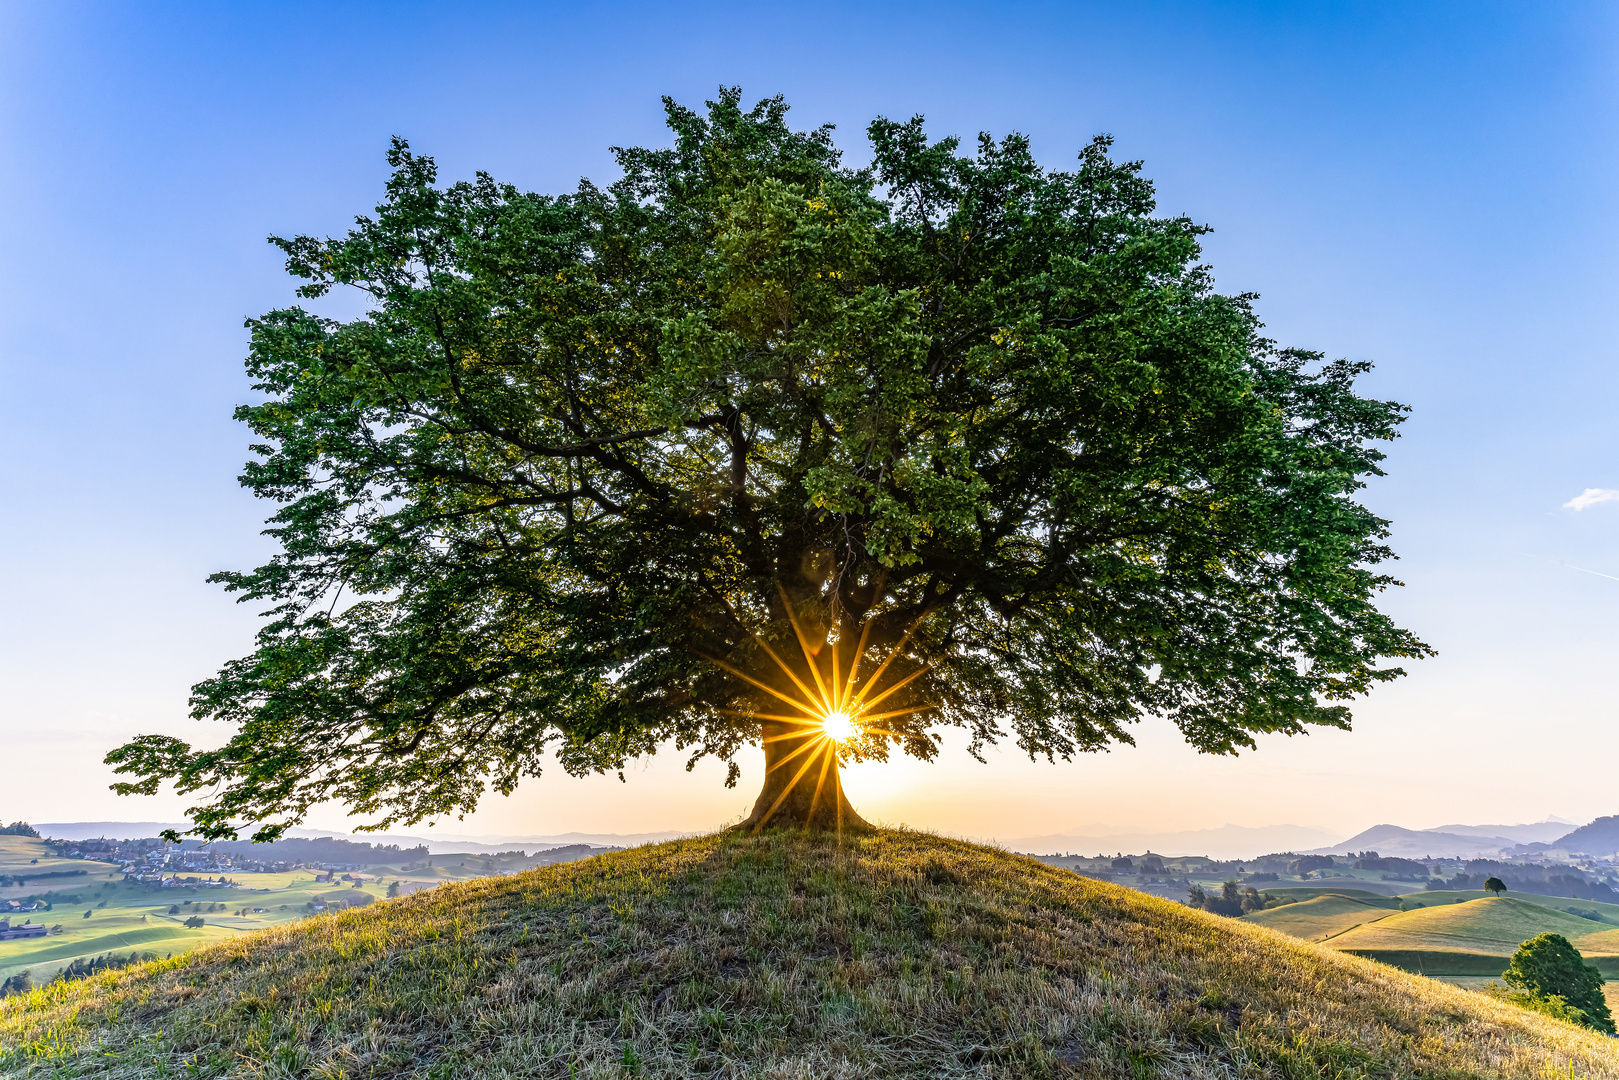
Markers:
point(194, 921)
point(1547, 967)
point(1494, 885)
point(753, 447)
point(1229, 902)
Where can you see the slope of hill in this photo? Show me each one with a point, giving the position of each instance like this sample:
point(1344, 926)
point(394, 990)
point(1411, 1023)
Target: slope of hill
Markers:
point(893, 954)
point(1436, 897)
point(1601, 837)
point(1494, 926)
point(1322, 916)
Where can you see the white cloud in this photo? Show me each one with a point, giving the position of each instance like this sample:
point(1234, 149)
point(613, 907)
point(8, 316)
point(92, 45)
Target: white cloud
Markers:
point(1590, 497)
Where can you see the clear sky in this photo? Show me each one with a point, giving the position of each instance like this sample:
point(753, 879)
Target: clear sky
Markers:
point(1428, 186)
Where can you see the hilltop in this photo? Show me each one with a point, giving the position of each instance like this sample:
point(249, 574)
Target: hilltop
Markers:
point(891, 954)
point(1493, 926)
point(1322, 916)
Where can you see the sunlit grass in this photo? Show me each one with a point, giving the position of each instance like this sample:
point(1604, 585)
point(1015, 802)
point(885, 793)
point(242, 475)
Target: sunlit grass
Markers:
point(781, 955)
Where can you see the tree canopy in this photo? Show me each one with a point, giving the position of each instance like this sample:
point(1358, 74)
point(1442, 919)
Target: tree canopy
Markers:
point(625, 467)
point(1550, 969)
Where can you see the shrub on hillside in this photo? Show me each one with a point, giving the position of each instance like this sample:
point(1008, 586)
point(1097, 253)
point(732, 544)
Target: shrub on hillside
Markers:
point(1552, 972)
point(1586, 913)
point(82, 968)
point(1230, 901)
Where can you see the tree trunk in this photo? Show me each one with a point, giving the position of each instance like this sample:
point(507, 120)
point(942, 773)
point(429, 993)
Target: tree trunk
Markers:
point(802, 788)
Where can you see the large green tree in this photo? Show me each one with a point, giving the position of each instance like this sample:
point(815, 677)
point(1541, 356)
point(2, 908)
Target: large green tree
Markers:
point(750, 437)
point(1551, 971)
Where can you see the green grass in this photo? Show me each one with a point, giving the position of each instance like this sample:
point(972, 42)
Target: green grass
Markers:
point(1321, 917)
point(1310, 892)
point(1559, 903)
point(891, 954)
point(1493, 926)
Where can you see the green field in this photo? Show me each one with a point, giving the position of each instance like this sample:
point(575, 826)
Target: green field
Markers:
point(1610, 912)
point(1493, 926)
point(883, 954)
point(125, 917)
point(1323, 916)
point(1310, 892)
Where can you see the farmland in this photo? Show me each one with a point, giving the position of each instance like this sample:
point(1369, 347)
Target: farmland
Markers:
point(92, 910)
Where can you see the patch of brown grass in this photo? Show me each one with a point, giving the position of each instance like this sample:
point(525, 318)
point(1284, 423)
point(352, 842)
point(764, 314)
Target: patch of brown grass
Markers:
point(892, 954)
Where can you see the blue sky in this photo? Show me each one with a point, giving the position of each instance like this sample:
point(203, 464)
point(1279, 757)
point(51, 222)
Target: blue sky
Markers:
point(1428, 186)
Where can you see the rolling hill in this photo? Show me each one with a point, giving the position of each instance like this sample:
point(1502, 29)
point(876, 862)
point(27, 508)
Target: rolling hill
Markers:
point(1321, 917)
point(1493, 926)
point(890, 954)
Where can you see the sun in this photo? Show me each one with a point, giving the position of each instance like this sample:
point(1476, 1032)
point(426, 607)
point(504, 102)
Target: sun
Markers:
point(837, 709)
point(839, 726)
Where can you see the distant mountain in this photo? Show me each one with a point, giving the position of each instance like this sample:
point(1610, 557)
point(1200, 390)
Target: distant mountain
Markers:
point(1601, 837)
point(1226, 842)
point(1417, 843)
point(1540, 832)
point(112, 830)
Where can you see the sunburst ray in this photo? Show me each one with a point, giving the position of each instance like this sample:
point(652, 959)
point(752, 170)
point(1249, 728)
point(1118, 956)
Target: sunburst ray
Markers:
point(835, 711)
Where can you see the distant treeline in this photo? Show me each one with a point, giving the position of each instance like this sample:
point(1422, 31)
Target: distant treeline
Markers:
point(9, 880)
point(320, 850)
point(23, 981)
point(19, 828)
point(1530, 878)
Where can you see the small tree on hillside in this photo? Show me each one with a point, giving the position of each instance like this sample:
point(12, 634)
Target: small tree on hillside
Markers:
point(1547, 967)
point(751, 447)
point(1495, 885)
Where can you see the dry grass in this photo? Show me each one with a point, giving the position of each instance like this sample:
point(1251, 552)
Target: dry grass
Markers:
point(895, 954)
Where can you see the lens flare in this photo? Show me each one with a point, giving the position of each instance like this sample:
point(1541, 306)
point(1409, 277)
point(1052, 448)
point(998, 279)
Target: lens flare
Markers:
point(839, 726)
point(838, 709)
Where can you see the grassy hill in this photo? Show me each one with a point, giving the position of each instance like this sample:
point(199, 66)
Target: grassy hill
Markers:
point(1493, 925)
point(1321, 917)
point(1310, 892)
point(893, 954)
point(1609, 912)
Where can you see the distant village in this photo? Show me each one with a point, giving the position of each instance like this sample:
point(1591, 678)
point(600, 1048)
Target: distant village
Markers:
point(1588, 878)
